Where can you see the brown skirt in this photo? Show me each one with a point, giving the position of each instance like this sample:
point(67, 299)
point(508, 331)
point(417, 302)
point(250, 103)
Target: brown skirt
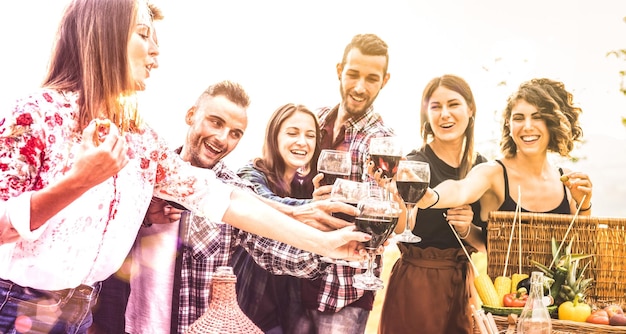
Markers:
point(428, 292)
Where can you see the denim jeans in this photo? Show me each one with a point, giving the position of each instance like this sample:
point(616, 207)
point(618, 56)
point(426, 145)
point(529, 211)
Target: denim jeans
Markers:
point(348, 320)
point(40, 311)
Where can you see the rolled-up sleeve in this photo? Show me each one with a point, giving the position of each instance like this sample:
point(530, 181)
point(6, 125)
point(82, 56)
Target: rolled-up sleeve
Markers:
point(15, 219)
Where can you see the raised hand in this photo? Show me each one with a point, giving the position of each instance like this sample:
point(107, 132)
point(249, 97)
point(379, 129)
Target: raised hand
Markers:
point(96, 163)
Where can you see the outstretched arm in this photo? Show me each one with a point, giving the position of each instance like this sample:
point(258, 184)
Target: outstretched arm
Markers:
point(454, 193)
point(249, 213)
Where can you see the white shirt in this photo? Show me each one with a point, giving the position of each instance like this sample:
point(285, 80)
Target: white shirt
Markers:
point(88, 240)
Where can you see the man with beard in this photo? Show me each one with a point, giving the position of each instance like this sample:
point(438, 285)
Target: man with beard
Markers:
point(167, 296)
point(331, 304)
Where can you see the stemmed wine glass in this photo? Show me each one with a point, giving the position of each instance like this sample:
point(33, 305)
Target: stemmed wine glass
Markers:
point(334, 164)
point(378, 217)
point(349, 192)
point(386, 152)
point(412, 182)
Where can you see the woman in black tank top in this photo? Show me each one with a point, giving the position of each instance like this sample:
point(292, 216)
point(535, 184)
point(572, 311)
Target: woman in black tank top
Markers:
point(539, 118)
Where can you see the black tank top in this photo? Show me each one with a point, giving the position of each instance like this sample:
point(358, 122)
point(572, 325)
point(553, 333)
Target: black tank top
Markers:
point(509, 204)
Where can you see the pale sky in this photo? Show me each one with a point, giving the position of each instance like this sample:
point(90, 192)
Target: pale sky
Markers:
point(286, 51)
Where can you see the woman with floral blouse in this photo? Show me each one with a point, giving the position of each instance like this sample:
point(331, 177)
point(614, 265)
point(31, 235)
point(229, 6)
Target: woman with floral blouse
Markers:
point(75, 192)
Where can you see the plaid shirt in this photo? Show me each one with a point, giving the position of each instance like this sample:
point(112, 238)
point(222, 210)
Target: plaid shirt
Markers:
point(205, 247)
point(336, 290)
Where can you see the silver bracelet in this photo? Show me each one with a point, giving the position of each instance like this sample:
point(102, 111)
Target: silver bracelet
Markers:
point(469, 230)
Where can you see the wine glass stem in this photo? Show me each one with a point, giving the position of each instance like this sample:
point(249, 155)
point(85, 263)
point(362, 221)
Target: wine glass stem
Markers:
point(409, 218)
point(370, 265)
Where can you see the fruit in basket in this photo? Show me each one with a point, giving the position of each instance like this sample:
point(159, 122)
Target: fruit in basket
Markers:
point(568, 281)
point(613, 309)
point(574, 310)
point(517, 299)
point(617, 320)
point(599, 317)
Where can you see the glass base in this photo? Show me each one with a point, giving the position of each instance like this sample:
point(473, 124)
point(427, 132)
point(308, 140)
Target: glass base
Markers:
point(367, 282)
point(407, 236)
point(360, 265)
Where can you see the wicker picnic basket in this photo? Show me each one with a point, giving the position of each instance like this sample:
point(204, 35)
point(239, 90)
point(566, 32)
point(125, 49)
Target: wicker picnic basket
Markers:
point(223, 315)
point(563, 327)
point(604, 237)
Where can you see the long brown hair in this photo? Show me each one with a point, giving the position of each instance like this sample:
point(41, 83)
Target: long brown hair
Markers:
point(90, 58)
point(272, 163)
point(457, 84)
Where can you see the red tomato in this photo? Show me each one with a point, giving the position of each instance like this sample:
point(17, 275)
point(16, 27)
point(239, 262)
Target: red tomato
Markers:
point(600, 317)
point(515, 300)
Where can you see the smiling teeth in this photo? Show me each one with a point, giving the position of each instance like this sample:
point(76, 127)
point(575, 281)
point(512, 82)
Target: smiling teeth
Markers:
point(298, 152)
point(214, 148)
point(358, 99)
point(529, 138)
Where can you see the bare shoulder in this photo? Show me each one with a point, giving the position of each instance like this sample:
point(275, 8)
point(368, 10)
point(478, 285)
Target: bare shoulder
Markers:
point(487, 169)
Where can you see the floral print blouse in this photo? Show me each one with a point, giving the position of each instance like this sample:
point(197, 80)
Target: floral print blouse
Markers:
point(88, 240)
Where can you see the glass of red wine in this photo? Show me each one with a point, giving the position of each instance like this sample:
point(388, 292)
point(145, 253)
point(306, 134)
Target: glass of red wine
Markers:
point(378, 217)
point(386, 152)
point(349, 192)
point(412, 181)
point(334, 164)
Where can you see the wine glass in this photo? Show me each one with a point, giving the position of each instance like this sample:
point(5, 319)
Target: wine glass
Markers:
point(349, 192)
point(386, 152)
point(334, 164)
point(412, 182)
point(378, 217)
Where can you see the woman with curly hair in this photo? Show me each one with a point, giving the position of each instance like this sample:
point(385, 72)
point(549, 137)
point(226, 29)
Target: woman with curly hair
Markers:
point(539, 118)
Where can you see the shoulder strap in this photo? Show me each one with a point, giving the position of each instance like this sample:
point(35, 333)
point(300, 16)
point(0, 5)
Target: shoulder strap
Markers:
point(506, 179)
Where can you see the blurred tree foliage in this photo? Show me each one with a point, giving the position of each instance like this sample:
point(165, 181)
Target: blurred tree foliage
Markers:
point(620, 54)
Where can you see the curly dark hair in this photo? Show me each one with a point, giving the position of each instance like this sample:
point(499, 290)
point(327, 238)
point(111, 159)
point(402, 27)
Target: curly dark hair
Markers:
point(555, 105)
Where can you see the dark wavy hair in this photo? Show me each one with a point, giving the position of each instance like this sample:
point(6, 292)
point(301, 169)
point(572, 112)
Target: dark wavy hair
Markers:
point(555, 105)
point(272, 163)
point(457, 84)
point(369, 45)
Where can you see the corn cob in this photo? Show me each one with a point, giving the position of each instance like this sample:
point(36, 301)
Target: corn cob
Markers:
point(487, 291)
point(503, 286)
point(515, 279)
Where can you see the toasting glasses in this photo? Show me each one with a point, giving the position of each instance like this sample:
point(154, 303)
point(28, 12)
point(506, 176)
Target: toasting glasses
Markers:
point(334, 164)
point(349, 192)
point(385, 152)
point(378, 217)
point(412, 181)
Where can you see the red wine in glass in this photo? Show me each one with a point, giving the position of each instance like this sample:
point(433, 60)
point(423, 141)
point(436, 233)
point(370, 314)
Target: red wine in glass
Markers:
point(378, 227)
point(330, 177)
point(344, 216)
point(387, 163)
point(411, 191)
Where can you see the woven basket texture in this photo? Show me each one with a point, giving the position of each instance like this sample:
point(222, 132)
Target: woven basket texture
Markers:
point(604, 237)
point(565, 327)
point(223, 315)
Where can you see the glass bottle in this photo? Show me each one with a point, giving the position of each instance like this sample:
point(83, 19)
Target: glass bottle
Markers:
point(535, 318)
point(223, 315)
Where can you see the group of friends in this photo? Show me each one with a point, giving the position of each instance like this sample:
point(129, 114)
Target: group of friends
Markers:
point(93, 223)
